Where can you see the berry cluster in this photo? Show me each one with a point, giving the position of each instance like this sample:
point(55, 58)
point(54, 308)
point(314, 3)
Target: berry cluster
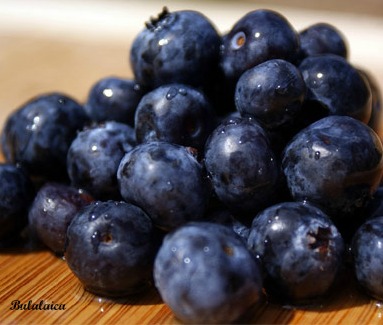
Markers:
point(232, 168)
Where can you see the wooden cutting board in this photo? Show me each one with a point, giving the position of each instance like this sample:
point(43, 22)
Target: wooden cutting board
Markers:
point(53, 48)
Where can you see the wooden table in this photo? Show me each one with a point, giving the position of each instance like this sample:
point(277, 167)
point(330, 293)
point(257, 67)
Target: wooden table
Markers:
point(67, 46)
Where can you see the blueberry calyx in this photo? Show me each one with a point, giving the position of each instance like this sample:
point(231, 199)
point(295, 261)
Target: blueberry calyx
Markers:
point(156, 22)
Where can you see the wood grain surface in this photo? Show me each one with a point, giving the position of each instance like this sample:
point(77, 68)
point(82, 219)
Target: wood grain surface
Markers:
point(46, 48)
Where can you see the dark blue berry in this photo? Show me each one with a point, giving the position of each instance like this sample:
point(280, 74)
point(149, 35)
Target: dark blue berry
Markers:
point(367, 252)
point(322, 38)
point(51, 212)
point(176, 47)
point(258, 36)
point(16, 195)
point(206, 275)
point(94, 156)
point(272, 92)
point(39, 133)
point(174, 113)
point(335, 163)
point(111, 248)
point(241, 166)
point(300, 249)
point(336, 86)
point(166, 181)
point(113, 99)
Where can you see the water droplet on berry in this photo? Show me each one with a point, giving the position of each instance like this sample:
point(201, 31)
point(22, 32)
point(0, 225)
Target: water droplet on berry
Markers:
point(171, 93)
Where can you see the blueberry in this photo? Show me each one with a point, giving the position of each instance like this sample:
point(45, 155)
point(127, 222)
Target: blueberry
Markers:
point(16, 195)
point(205, 274)
point(111, 247)
point(337, 86)
point(94, 156)
point(51, 212)
point(176, 47)
point(258, 36)
point(300, 249)
point(367, 252)
point(335, 163)
point(322, 38)
point(174, 113)
point(166, 181)
point(241, 166)
point(113, 99)
point(272, 92)
point(38, 134)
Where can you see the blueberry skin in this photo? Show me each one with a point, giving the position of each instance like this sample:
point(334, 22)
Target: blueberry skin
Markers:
point(337, 86)
point(111, 248)
point(335, 163)
point(322, 38)
point(258, 36)
point(367, 252)
point(166, 181)
point(176, 47)
point(174, 113)
point(272, 92)
point(16, 195)
point(113, 99)
point(38, 134)
point(241, 166)
point(94, 156)
point(51, 212)
point(206, 275)
point(300, 249)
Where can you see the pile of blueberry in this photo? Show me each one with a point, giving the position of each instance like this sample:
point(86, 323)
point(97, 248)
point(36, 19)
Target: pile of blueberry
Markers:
point(232, 168)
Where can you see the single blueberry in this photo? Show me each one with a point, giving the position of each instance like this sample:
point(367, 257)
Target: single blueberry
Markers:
point(367, 252)
point(322, 38)
point(272, 92)
point(176, 47)
point(166, 181)
point(174, 113)
point(300, 249)
point(94, 156)
point(111, 248)
point(113, 99)
point(16, 195)
point(51, 212)
point(206, 275)
point(258, 36)
point(241, 166)
point(336, 86)
point(38, 134)
point(335, 163)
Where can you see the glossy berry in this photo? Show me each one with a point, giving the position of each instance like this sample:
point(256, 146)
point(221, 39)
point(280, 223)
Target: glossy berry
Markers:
point(322, 38)
point(176, 47)
point(206, 275)
point(335, 163)
point(367, 252)
point(113, 99)
point(16, 195)
point(111, 248)
point(258, 36)
point(336, 86)
point(51, 212)
point(272, 92)
point(174, 113)
point(166, 181)
point(300, 249)
point(241, 166)
point(94, 156)
point(38, 134)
